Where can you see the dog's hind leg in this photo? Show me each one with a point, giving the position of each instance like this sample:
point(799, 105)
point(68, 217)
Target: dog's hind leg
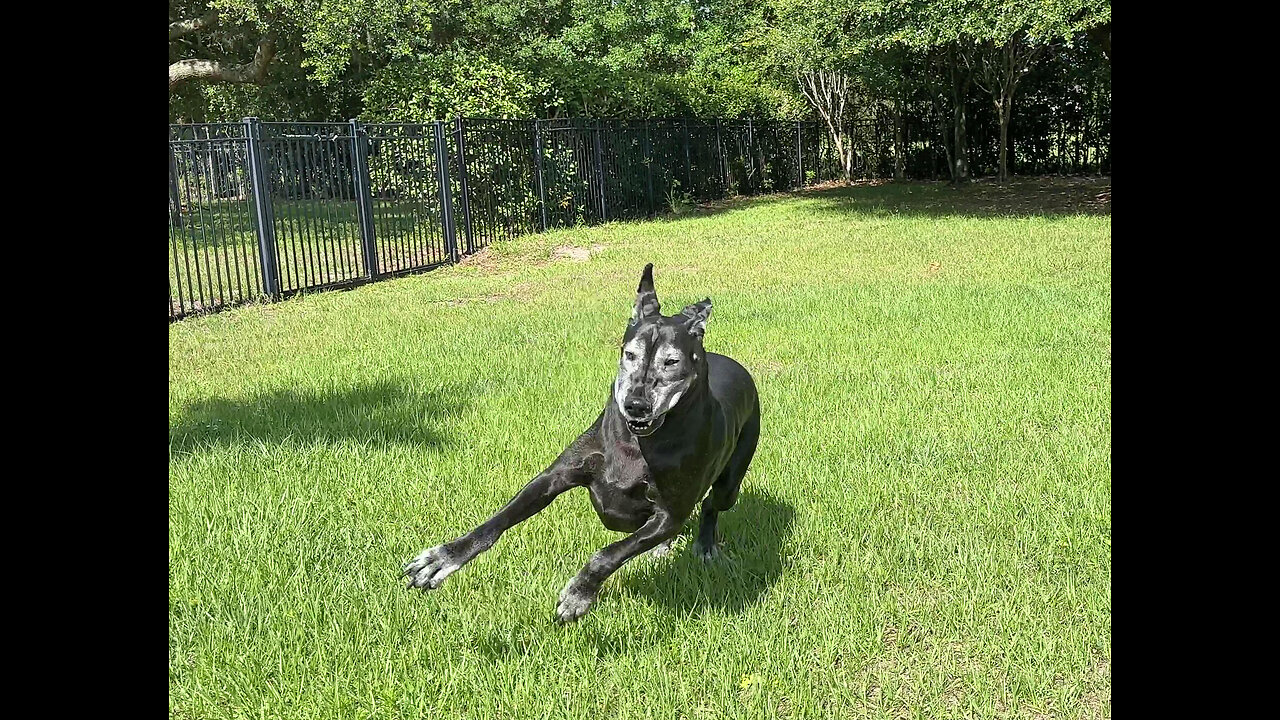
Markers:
point(724, 491)
point(574, 467)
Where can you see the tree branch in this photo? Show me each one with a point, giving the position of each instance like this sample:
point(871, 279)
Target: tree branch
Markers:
point(214, 71)
point(183, 28)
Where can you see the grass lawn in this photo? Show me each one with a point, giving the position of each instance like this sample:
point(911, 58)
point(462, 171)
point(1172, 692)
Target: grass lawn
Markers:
point(925, 531)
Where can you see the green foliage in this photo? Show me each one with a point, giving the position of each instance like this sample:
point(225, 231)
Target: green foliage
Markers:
point(415, 61)
point(429, 87)
point(679, 202)
point(499, 58)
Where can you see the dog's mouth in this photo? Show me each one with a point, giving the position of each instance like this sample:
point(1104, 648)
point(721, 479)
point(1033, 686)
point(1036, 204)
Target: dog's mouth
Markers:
point(644, 428)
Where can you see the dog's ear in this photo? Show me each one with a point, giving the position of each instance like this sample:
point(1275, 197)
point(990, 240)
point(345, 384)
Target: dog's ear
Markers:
point(646, 297)
point(697, 314)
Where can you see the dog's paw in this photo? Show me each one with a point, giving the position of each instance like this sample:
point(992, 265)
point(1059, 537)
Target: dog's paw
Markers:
point(664, 549)
point(429, 570)
point(706, 553)
point(575, 601)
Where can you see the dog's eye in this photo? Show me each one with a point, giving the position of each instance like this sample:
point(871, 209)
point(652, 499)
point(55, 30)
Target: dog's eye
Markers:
point(670, 362)
point(631, 356)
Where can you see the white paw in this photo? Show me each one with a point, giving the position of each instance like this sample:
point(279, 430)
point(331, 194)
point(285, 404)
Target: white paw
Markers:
point(706, 553)
point(664, 549)
point(429, 570)
point(575, 601)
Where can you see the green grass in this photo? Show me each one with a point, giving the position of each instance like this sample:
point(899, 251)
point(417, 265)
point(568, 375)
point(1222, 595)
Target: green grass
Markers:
point(925, 531)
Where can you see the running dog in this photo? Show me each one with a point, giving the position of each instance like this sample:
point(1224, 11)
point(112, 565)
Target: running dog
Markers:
point(681, 425)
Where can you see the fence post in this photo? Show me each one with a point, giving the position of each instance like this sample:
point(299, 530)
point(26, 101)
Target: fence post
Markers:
point(799, 157)
point(446, 195)
point(175, 200)
point(724, 169)
point(364, 198)
point(262, 209)
point(648, 162)
point(458, 129)
point(604, 212)
point(751, 153)
point(542, 188)
point(688, 166)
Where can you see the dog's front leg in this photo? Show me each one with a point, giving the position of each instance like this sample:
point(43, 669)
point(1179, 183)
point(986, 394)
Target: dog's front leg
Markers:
point(432, 566)
point(581, 592)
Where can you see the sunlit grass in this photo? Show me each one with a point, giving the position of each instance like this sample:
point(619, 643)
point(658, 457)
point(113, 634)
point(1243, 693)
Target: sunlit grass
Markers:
point(925, 531)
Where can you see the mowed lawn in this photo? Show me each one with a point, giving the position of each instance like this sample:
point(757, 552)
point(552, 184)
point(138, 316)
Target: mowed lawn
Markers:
point(925, 531)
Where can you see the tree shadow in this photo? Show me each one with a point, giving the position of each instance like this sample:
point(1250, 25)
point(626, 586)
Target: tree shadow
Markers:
point(388, 412)
point(751, 538)
point(1045, 196)
point(983, 198)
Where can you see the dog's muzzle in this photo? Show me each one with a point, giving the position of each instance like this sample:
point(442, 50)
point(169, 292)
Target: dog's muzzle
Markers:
point(646, 426)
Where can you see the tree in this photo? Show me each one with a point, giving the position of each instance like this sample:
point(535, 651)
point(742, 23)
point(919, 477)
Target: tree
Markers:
point(311, 51)
point(992, 43)
point(923, 73)
point(821, 49)
point(828, 92)
point(998, 68)
point(1006, 38)
point(212, 30)
point(933, 32)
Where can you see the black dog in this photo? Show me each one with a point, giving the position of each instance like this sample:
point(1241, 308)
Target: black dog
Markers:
point(681, 421)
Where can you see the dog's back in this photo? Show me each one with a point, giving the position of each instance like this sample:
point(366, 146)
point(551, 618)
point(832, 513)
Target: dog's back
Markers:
point(733, 388)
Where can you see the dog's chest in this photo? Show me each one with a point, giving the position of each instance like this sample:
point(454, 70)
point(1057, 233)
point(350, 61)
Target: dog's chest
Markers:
point(625, 469)
point(619, 494)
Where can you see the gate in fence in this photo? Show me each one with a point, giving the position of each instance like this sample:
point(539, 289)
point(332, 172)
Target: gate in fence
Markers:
point(263, 210)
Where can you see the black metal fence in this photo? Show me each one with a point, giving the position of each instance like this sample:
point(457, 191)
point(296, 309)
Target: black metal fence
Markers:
point(261, 210)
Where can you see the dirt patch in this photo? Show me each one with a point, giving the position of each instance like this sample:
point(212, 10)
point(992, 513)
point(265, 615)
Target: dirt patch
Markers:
point(481, 259)
point(569, 252)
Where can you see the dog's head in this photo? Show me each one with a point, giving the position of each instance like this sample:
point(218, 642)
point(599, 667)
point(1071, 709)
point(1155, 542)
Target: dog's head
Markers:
point(661, 359)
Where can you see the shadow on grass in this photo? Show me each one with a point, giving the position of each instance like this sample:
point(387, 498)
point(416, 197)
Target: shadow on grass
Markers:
point(982, 198)
point(752, 535)
point(380, 413)
point(751, 539)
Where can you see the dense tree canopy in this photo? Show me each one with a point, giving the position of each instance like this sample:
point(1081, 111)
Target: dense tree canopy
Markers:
point(846, 63)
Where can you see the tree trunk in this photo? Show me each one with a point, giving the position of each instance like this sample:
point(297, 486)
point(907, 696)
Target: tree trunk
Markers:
point(960, 80)
point(828, 92)
point(175, 199)
point(1000, 68)
point(941, 124)
point(899, 140)
point(960, 172)
point(1005, 108)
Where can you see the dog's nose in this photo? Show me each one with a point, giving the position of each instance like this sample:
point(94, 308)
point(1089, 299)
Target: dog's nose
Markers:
point(637, 408)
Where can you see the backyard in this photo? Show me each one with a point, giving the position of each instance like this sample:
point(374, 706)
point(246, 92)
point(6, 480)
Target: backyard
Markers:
point(925, 531)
